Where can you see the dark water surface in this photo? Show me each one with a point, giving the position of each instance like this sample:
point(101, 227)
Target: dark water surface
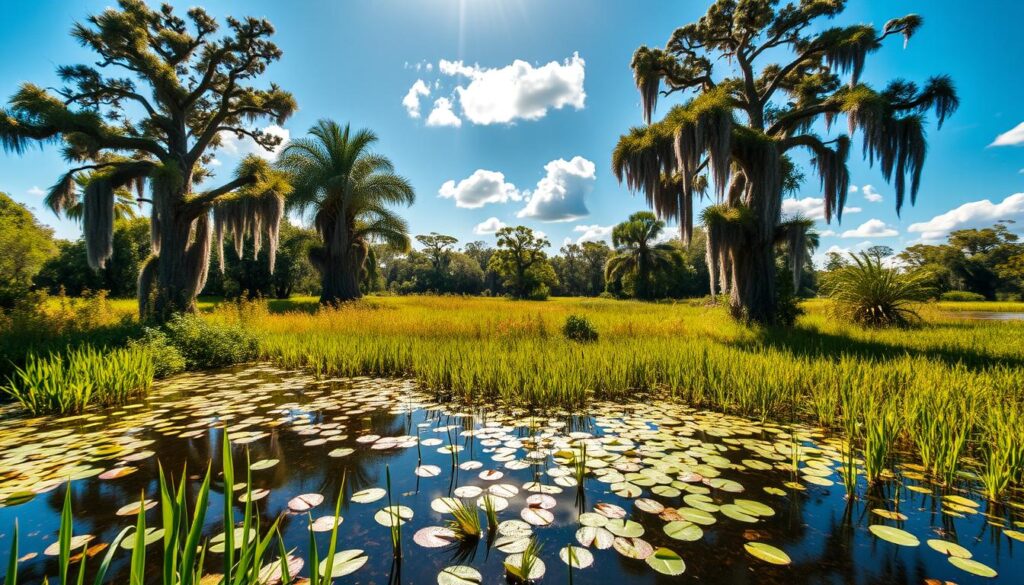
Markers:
point(664, 453)
point(986, 315)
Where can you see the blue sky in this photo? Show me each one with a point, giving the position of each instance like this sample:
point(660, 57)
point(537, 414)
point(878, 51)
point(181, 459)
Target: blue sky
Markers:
point(542, 90)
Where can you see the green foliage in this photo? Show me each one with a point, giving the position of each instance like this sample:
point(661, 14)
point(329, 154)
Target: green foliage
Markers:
point(638, 258)
point(167, 359)
point(69, 271)
point(520, 260)
point(206, 344)
point(25, 247)
point(68, 383)
point(579, 328)
point(249, 274)
point(961, 296)
point(334, 170)
point(872, 295)
point(983, 261)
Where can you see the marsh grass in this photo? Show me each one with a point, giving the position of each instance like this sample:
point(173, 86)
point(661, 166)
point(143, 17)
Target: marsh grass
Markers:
point(465, 521)
point(68, 383)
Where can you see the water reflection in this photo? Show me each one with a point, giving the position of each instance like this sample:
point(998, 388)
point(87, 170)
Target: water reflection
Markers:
point(369, 424)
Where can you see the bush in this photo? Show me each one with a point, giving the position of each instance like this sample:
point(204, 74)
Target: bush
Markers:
point(961, 296)
point(870, 294)
point(210, 345)
point(579, 328)
point(167, 359)
point(539, 293)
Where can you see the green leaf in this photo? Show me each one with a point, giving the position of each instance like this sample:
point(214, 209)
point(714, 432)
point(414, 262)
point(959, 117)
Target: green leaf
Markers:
point(683, 530)
point(345, 562)
point(894, 535)
point(973, 567)
point(767, 553)
point(459, 575)
point(666, 562)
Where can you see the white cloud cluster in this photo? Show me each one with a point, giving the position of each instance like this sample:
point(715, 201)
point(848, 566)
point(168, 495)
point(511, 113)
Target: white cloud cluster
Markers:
point(811, 207)
point(872, 228)
point(490, 225)
point(443, 115)
point(1012, 137)
point(36, 191)
point(871, 194)
point(502, 95)
point(479, 189)
point(411, 101)
point(593, 233)
point(561, 194)
point(971, 215)
point(231, 144)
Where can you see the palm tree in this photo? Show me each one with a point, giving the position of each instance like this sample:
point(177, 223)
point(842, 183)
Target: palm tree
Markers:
point(347, 188)
point(637, 253)
point(873, 295)
point(801, 241)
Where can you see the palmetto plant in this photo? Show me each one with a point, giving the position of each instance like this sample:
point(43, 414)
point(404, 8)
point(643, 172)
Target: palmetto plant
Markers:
point(638, 253)
point(874, 295)
point(347, 189)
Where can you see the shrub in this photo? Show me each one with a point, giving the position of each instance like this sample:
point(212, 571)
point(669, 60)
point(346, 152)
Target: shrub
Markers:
point(539, 293)
point(961, 296)
point(210, 345)
point(579, 328)
point(68, 383)
point(876, 296)
point(166, 357)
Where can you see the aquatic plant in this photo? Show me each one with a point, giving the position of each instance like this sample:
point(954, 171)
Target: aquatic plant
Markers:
point(466, 520)
point(881, 429)
point(524, 570)
point(1001, 453)
point(67, 383)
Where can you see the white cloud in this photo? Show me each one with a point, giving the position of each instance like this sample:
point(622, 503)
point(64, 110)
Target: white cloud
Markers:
point(479, 189)
point(974, 214)
point(488, 226)
point(871, 195)
point(231, 144)
point(442, 114)
point(593, 233)
point(810, 207)
point(1012, 137)
point(872, 228)
point(517, 91)
point(853, 189)
point(560, 195)
point(35, 191)
point(411, 101)
point(826, 233)
point(215, 162)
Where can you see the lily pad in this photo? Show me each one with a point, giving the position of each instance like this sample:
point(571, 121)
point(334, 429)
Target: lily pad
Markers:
point(434, 537)
point(581, 558)
point(894, 535)
point(633, 548)
point(390, 515)
point(666, 562)
point(368, 495)
point(683, 530)
point(346, 562)
point(326, 523)
point(263, 464)
point(973, 567)
point(459, 575)
point(767, 553)
point(949, 548)
point(625, 528)
point(305, 502)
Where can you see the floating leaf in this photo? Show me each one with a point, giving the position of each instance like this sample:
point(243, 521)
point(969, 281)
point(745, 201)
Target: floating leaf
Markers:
point(326, 523)
point(592, 519)
point(625, 528)
point(666, 562)
point(767, 553)
point(537, 516)
point(305, 502)
point(390, 515)
point(346, 562)
point(949, 548)
point(263, 464)
point(427, 471)
point(894, 535)
point(973, 567)
point(434, 537)
point(368, 495)
point(150, 536)
point(581, 558)
point(592, 535)
point(633, 548)
point(459, 575)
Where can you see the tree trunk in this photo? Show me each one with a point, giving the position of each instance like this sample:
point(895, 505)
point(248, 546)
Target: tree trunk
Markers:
point(752, 295)
point(181, 245)
point(339, 278)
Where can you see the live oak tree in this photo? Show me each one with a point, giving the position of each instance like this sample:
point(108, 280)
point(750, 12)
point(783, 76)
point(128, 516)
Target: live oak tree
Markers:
point(152, 109)
point(522, 263)
point(744, 116)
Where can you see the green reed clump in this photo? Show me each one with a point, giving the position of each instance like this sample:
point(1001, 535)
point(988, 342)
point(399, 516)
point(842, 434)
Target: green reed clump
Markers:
point(940, 423)
point(881, 429)
point(68, 383)
point(465, 521)
point(1001, 454)
point(520, 572)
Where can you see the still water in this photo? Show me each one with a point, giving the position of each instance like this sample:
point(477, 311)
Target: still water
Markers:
point(702, 485)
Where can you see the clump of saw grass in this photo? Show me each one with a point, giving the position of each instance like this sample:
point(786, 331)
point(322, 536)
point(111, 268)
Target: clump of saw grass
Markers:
point(68, 383)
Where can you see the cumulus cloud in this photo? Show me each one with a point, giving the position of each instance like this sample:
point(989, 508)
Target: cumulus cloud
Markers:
point(826, 233)
point(872, 228)
point(811, 207)
point(1012, 137)
point(442, 114)
point(593, 233)
point(560, 195)
point(871, 194)
point(971, 215)
point(479, 189)
point(519, 91)
point(490, 225)
point(231, 144)
point(411, 101)
point(36, 191)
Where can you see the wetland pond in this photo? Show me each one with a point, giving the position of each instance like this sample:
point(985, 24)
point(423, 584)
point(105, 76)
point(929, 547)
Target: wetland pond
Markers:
point(671, 494)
